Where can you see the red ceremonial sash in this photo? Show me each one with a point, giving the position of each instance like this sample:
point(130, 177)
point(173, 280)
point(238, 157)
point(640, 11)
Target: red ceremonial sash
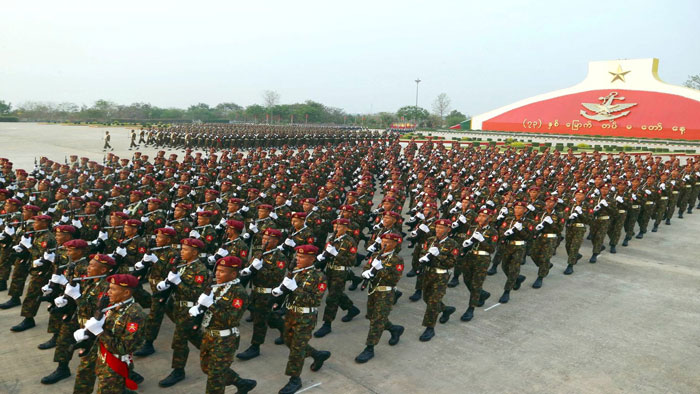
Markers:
point(118, 366)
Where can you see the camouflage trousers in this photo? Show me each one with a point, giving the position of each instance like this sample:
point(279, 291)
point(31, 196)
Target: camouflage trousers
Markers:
point(20, 272)
point(155, 318)
point(379, 305)
point(615, 227)
point(415, 256)
point(498, 255)
point(55, 323)
point(6, 262)
point(474, 268)
point(512, 258)
point(108, 381)
point(215, 359)
point(630, 221)
point(599, 228)
point(85, 376)
point(142, 297)
point(63, 353)
point(645, 214)
point(31, 302)
point(181, 337)
point(692, 199)
point(672, 202)
point(660, 212)
point(573, 241)
point(542, 250)
point(262, 316)
point(434, 288)
point(297, 333)
point(336, 294)
point(683, 199)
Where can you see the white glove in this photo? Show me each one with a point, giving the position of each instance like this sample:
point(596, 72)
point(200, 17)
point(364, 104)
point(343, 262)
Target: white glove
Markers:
point(76, 223)
point(80, 335)
point(424, 259)
point(289, 283)
point(95, 326)
point(539, 227)
point(424, 228)
point(162, 285)
point(139, 265)
point(508, 232)
point(331, 249)
point(377, 264)
point(367, 274)
point(634, 197)
point(619, 199)
point(174, 278)
point(320, 257)
point(579, 210)
point(200, 209)
point(673, 183)
point(253, 228)
point(26, 242)
point(603, 203)
point(206, 300)
point(9, 230)
point(454, 224)
point(59, 279)
point(462, 218)
point(518, 226)
point(503, 211)
point(263, 195)
point(194, 311)
point(46, 289)
point(20, 195)
point(60, 301)
point(64, 219)
point(531, 207)
point(420, 215)
point(434, 251)
point(150, 257)
point(647, 192)
point(120, 251)
point(290, 242)
point(246, 236)
point(103, 235)
point(288, 203)
point(314, 209)
point(145, 219)
point(17, 248)
point(246, 271)
point(548, 219)
point(477, 236)
point(73, 291)
point(51, 209)
point(573, 216)
point(467, 243)
point(277, 291)
point(108, 204)
point(245, 208)
point(37, 263)
point(195, 234)
point(274, 215)
point(256, 263)
point(372, 248)
point(662, 186)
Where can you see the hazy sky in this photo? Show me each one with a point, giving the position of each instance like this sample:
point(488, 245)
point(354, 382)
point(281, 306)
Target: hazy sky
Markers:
point(361, 56)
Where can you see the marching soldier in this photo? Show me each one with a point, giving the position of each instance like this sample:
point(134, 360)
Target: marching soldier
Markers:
point(547, 232)
point(579, 215)
point(515, 232)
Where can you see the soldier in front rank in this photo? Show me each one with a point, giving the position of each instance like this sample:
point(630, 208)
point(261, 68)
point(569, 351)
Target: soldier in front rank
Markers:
point(340, 250)
point(159, 260)
point(664, 189)
point(11, 220)
point(20, 265)
point(515, 232)
point(602, 211)
point(578, 212)
point(621, 205)
point(648, 207)
point(223, 306)
point(41, 247)
point(305, 287)
point(440, 254)
point(189, 280)
point(547, 231)
point(266, 270)
point(479, 244)
point(383, 274)
point(637, 199)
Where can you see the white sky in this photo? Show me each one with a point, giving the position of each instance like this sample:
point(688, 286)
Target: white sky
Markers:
point(361, 56)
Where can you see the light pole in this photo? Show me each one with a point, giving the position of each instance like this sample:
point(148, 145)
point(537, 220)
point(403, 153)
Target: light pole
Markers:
point(416, 110)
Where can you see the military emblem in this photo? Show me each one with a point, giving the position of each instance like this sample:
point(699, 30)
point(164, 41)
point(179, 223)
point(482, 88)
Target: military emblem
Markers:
point(132, 327)
point(606, 110)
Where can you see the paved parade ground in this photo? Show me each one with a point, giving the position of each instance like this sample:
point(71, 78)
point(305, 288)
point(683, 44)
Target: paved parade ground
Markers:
point(629, 323)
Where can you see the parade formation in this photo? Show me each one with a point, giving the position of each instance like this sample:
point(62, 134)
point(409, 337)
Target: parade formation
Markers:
point(270, 219)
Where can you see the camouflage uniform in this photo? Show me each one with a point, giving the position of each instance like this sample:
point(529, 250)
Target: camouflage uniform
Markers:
point(435, 276)
point(601, 221)
point(337, 273)
point(476, 261)
point(514, 247)
point(91, 293)
point(195, 277)
point(380, 297)
point(41, 243)
point(270, 275)
point(546, 240)
point(157, 273)
point(575, 229)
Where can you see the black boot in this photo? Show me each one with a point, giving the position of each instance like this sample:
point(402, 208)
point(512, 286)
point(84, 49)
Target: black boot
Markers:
point(640, 235)
point(245, 385)
point(505, 297)
point(324, 330)
point(483, 297)
point(454, 281)
point(427, 335)
point(590, 236)
point(136, 377)
point(655, 229)
point(492, 270)
point(680, 214)
point(3, 285)
point(145, 350)
point(319, 356)
point(668, 222)
point(366, 355)
point(397, 295)
point(292, 386)
point(519, 281)
point(26, 324)
point(416, 296)
point(396, 331)
point(356, 280)
point(468, 315)
point(51, 343)
point(625, 242)
point(690, 211)
point(11, 303)
point(175, 376)
point(569, 270)
point(250, 317)
point(578, 256)
point(593, 259)
point(352, 312)
point(446, 314)
point(59, 374)
point(538, 283)
point(411, 273)
point(252, 352)
point(613, 250)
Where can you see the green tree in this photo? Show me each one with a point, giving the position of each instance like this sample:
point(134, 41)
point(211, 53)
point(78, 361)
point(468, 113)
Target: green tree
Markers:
point(454, 117)
point(255, 112)
point(5, 108)
point(413, 113)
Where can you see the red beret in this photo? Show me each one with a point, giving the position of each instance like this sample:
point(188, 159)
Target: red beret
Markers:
point(352, 193)
point(299, 215)
point(76, 243)
point(193, 242)
point(309, 200)
point(229, 261)
point(94, 204)
point(534, 188)
point(254, 190)
point(65, 228)
point(124, 280)
point(133, 223)
point(485, 211)
point(14, 201)
point(185, 187)
point(117, 187)
point(206, 214)
point(137, 192)
point(184, 205)
point(235, 200)
point(238, 225)
point(306, 249)
point(393, 237)
point(155, 200)
point(392, 214)
point(443, 222)
point(120, 214)
point(167, 231)
point(553, 198)
point(31, 208)
point(348, 208)
point(520, 204)
point(104, 259)
point(389, 199)
point(430, 204)
point(273, 232)
point(212, 191)
point(265, 206)
point(42, 217)
point(580, 191)
point(5, 192)
point(341, 221)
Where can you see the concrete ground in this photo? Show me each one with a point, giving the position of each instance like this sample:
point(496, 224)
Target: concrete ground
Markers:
point(628, 324)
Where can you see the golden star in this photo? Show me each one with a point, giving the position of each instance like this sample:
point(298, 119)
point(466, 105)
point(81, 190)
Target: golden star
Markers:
point(618, 75)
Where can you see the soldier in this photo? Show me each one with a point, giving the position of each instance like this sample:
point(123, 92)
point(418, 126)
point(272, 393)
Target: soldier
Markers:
point(224, 306)
point(575, 224)
point(515, 231)
point(107, 138)
point(637, 199)
point(478, 246)
point(601, 220)
point(133, 139)
point(664, 192)
point(266, 270)
point(155, 217)
point(619, 213)
point(189, 280)
point(306, 287)
point(11, 219)
point(341, 250)
point(440, 254)
point(205, 231)
point(383, 274)
point(648, 207)
point(547, 232)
